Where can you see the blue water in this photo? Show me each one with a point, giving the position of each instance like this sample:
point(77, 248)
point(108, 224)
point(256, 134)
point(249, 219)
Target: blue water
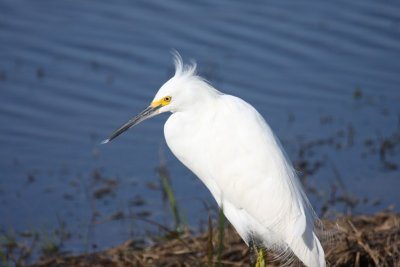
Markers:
point(73, 71)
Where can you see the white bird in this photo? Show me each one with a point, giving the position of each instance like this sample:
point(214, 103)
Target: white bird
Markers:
point(229, 146)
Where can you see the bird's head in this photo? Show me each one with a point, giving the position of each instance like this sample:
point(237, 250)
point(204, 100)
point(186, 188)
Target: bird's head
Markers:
point(183, 91)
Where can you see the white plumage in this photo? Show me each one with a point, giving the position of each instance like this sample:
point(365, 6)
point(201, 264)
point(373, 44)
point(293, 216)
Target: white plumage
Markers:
point(230, 147)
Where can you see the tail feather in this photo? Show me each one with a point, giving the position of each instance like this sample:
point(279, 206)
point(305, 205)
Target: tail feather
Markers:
point(310, 252)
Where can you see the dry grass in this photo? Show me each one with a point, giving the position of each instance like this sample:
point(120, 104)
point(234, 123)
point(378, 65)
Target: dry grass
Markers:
point(354, 241)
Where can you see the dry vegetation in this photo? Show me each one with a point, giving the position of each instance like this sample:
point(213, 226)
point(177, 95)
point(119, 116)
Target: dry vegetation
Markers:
point(352, 241)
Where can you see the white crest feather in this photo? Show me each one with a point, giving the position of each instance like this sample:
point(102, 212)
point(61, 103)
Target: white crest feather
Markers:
point(183, 70)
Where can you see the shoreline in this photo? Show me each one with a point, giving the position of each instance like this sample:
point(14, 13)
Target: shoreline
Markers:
point(362, 240)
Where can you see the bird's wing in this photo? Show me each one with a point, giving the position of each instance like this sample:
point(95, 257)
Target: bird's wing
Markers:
point(251, 170)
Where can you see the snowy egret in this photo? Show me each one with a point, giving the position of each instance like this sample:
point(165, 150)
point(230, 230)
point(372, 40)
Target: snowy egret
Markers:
point(229, 146)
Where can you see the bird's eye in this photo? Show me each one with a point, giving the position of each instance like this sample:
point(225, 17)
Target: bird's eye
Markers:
point(167, 98)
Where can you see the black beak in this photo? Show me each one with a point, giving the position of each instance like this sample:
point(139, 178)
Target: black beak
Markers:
point(145, 114)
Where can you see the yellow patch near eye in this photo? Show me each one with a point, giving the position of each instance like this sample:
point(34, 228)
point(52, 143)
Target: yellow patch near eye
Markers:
point(163, 102)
